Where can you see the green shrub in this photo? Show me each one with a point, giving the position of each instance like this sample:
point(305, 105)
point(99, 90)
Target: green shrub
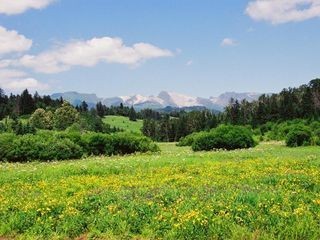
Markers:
point(90, 121)
point(315, 127)
point(299, 136)
point(20, 128)
point(279, 131)
point(6, 146)
point(266, 127)
point(75, 128)
point(38, 147)
point(2, 127)
point(75, 137)
point(60, 149)
point(50, 145)
point(118, 143)
point(204, 141)
point(99, 144)
point(65, 116)
point(224, 137)
point(125, 143)
point(187, 140)
point(41, 119)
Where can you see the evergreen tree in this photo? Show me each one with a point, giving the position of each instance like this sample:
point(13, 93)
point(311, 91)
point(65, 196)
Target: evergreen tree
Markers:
point(233, 111)
point(83, 107)
point(315, 89)
point(132, 114)
point(3, 104)
point(26, 103)
point(100, 109)
point(307, 105)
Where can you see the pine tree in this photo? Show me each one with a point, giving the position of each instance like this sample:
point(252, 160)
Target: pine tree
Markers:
point(26, 103)
point(83, 107)
point(315, 89)
point(307, 105)
point(132, 114)
point(100, 109)
point(3, 104)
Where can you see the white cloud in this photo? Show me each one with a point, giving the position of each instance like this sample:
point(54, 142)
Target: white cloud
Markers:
point(12, 41)
point(88, 54)
point(189, 63)
point(283, 11)
point(6, 74)
point(26, 83)
point(227, 42)
point(14, 80)
point(11, 7)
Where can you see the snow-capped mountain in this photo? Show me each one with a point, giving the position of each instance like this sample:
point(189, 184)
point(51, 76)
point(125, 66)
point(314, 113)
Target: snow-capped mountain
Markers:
point(164, 99)
point(177, 100)
point(224, 99)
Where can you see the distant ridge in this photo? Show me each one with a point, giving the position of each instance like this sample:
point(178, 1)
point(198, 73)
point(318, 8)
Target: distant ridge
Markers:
point(163, 100)
point(76, 98)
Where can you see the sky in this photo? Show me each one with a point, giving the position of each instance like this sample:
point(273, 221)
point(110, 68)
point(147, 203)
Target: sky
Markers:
point(124, 47)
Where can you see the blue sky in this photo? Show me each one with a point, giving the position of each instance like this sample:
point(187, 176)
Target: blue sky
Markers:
point(200, 48)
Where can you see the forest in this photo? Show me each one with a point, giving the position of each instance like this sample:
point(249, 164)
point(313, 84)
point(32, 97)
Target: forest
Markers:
point(39, 128)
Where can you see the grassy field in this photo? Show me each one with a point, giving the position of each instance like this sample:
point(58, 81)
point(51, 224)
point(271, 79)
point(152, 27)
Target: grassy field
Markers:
point(124, 123)
point(270, 192)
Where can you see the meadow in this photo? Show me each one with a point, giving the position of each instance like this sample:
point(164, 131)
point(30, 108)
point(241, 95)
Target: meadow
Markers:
point(268, 192)
point(124, 123)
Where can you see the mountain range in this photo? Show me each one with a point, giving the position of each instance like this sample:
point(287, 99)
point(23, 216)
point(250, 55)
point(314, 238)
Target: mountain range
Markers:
point(163, 100)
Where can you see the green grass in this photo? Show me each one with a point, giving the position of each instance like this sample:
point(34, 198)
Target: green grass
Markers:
point(269, 192)
point(124, 123)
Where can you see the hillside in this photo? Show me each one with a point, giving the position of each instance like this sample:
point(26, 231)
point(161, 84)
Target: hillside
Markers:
point(124, 123)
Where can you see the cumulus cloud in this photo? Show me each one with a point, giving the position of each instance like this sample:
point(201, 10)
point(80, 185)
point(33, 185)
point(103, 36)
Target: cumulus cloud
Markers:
point(88, 54)
point(12, 7)
point(12, 41)
point(283, 11)
point(14, 80)
point(227, 42)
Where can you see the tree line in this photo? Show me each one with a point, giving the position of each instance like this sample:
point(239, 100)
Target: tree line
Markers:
point(25, 103)
point(291, 103)
point(125, 111)
point(171, 129)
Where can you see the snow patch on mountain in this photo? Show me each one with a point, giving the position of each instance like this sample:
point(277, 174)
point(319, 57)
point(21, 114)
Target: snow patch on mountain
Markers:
point(164, 99)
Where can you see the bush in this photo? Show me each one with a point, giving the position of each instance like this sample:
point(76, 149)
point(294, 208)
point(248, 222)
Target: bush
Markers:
point(41, 119)
point(37, 147)
point(65, 116)
point(118, 143)
point(125, 143)
point(187, 140)
point(2, 127)
point(279, 131)
point(299, 136)
point(6, 145)
point(224, 137)
point(49, 145)
point(22, 129)
point(90, 121)
point(60, 149)
point(99, 144)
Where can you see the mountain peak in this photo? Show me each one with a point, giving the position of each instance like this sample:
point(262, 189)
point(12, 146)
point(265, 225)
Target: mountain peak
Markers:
point(164, 99)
